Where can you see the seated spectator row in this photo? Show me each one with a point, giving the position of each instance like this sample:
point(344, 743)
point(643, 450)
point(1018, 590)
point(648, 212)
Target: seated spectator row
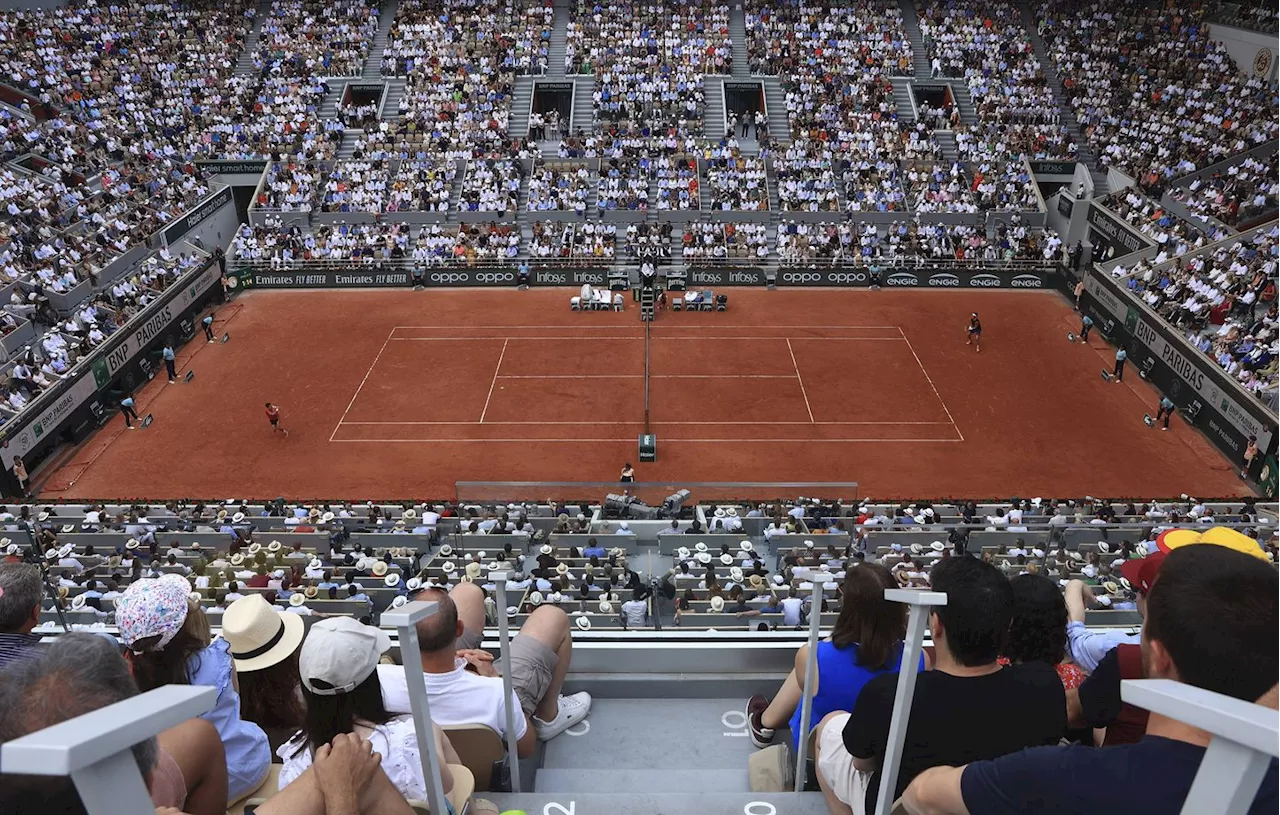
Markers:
point(1247, 189)
point(429, 245)
point(649, 60)
point(1217, 298)
point(570, 240)
point(1197, 107)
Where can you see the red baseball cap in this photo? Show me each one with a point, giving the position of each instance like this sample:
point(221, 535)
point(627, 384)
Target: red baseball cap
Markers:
point(1142, 573)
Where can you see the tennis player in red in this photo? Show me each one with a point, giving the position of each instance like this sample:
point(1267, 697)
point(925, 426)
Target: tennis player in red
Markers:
point(273, 416)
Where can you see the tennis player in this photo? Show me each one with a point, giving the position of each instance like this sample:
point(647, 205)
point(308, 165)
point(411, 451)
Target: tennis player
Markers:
point(273, 416)
point(975, 332)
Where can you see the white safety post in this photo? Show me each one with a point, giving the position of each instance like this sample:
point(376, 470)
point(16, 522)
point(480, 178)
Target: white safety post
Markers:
point(1246, 737)
point(405, 620)
point(96, 749)
point(810, 673)
point(504, 660)
point(920, 602)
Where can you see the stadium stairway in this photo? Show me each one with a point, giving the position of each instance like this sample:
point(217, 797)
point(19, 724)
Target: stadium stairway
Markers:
point(244, 62)
point(583, 118)
point(559, 39)
point(964, 100)
point(391, 102)
point(775, 100)
point(903, 99)
point(521, 100)
point(713, 113)
point(329, 104)
point(373, 62)
point(738, 33)
point(911, 22)
point(1085, 154)
point(350, 137)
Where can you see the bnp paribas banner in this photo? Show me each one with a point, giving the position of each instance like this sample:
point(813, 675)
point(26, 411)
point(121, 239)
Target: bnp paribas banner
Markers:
point(1203, 392)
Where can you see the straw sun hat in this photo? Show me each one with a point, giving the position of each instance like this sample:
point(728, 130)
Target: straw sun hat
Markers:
point(259, 635)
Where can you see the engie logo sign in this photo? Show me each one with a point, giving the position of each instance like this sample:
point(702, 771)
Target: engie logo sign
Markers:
point(985, 281)
point(944, 280)
point(902, 279)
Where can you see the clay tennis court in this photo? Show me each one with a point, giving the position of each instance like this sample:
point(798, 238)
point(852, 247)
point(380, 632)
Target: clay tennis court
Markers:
point(399, 394)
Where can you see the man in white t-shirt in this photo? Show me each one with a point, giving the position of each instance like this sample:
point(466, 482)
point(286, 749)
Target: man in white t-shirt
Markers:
point(463, 685)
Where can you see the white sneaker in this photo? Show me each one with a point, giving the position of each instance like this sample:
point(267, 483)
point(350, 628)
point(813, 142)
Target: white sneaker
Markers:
point(573, 709)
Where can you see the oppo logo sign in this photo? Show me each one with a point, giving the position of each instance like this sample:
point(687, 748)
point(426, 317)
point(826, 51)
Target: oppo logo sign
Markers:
point(448, 278)
point(846, 278)
point(902, 279)
point(803, 278)
point(944, 280)
point(984, 281)
point(1027, 281)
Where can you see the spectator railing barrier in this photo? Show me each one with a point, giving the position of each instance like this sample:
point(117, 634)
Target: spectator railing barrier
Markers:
point(810, 675)
point(96, 749)
point(405, 620)
point(1246, 738)
point(920, 604)
point(504, 659)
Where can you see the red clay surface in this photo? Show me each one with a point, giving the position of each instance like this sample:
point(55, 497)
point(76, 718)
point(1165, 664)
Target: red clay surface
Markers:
point(399, 394)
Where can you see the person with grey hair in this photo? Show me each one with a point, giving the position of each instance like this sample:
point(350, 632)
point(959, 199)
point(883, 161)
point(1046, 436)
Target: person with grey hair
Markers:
point(184, 767)
point(21, 590)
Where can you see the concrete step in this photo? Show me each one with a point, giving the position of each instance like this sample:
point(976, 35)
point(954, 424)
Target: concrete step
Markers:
point(584, 115)
point(373, 62)
point(775, 101)
point(649, 803)
point(910, 21)
point(556, 48)
point(738, 33)
point(903, 99)
point(521, 99)
point(713, 112)
point(391, 102)
point(624, 779)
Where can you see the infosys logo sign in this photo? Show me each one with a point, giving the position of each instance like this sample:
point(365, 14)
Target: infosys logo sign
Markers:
point(944, 280)
point(984, 281)
point(1027, 281)
point(902, 279)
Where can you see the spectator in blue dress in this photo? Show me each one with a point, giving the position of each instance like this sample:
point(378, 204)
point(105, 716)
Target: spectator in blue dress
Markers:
point(866, 641)
point(169, 644)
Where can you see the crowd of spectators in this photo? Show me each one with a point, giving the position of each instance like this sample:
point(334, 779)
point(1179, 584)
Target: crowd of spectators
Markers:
point(570, 241)
point(1172, 236)
point(936, 187)
point(557, 187)
point(678, 186)
point(623, 184)
point(429, 245)
point(1196, 106)
point(806, 178)
point(708, 242)
point(1245, 190)
point(649, 59)
point(490, 185)
point(1225, 301)
point(461, 61)
point(737, 182)
point(906, 241)
point(314, 38)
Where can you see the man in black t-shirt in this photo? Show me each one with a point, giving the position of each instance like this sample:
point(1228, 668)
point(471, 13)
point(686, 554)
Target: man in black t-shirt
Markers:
point(1184, 638)
point(968, 707)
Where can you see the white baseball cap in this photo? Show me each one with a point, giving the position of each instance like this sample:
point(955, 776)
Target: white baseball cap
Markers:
point(342, 653)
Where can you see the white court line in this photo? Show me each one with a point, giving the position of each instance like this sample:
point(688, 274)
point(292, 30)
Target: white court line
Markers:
point(629, 440)
point(641, 336)
point(651, 376)
point(361, 385)
point(929, 379)
point(497, 368)
point(615, 422)
point(803, 392)
point(623, 327)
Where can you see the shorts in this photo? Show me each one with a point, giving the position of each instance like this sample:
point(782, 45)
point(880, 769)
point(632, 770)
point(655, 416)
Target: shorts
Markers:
point(836, 765)
point(532, 663)
point(274, 421)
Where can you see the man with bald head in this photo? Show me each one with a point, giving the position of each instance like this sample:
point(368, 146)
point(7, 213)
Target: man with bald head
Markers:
point(463, 685)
